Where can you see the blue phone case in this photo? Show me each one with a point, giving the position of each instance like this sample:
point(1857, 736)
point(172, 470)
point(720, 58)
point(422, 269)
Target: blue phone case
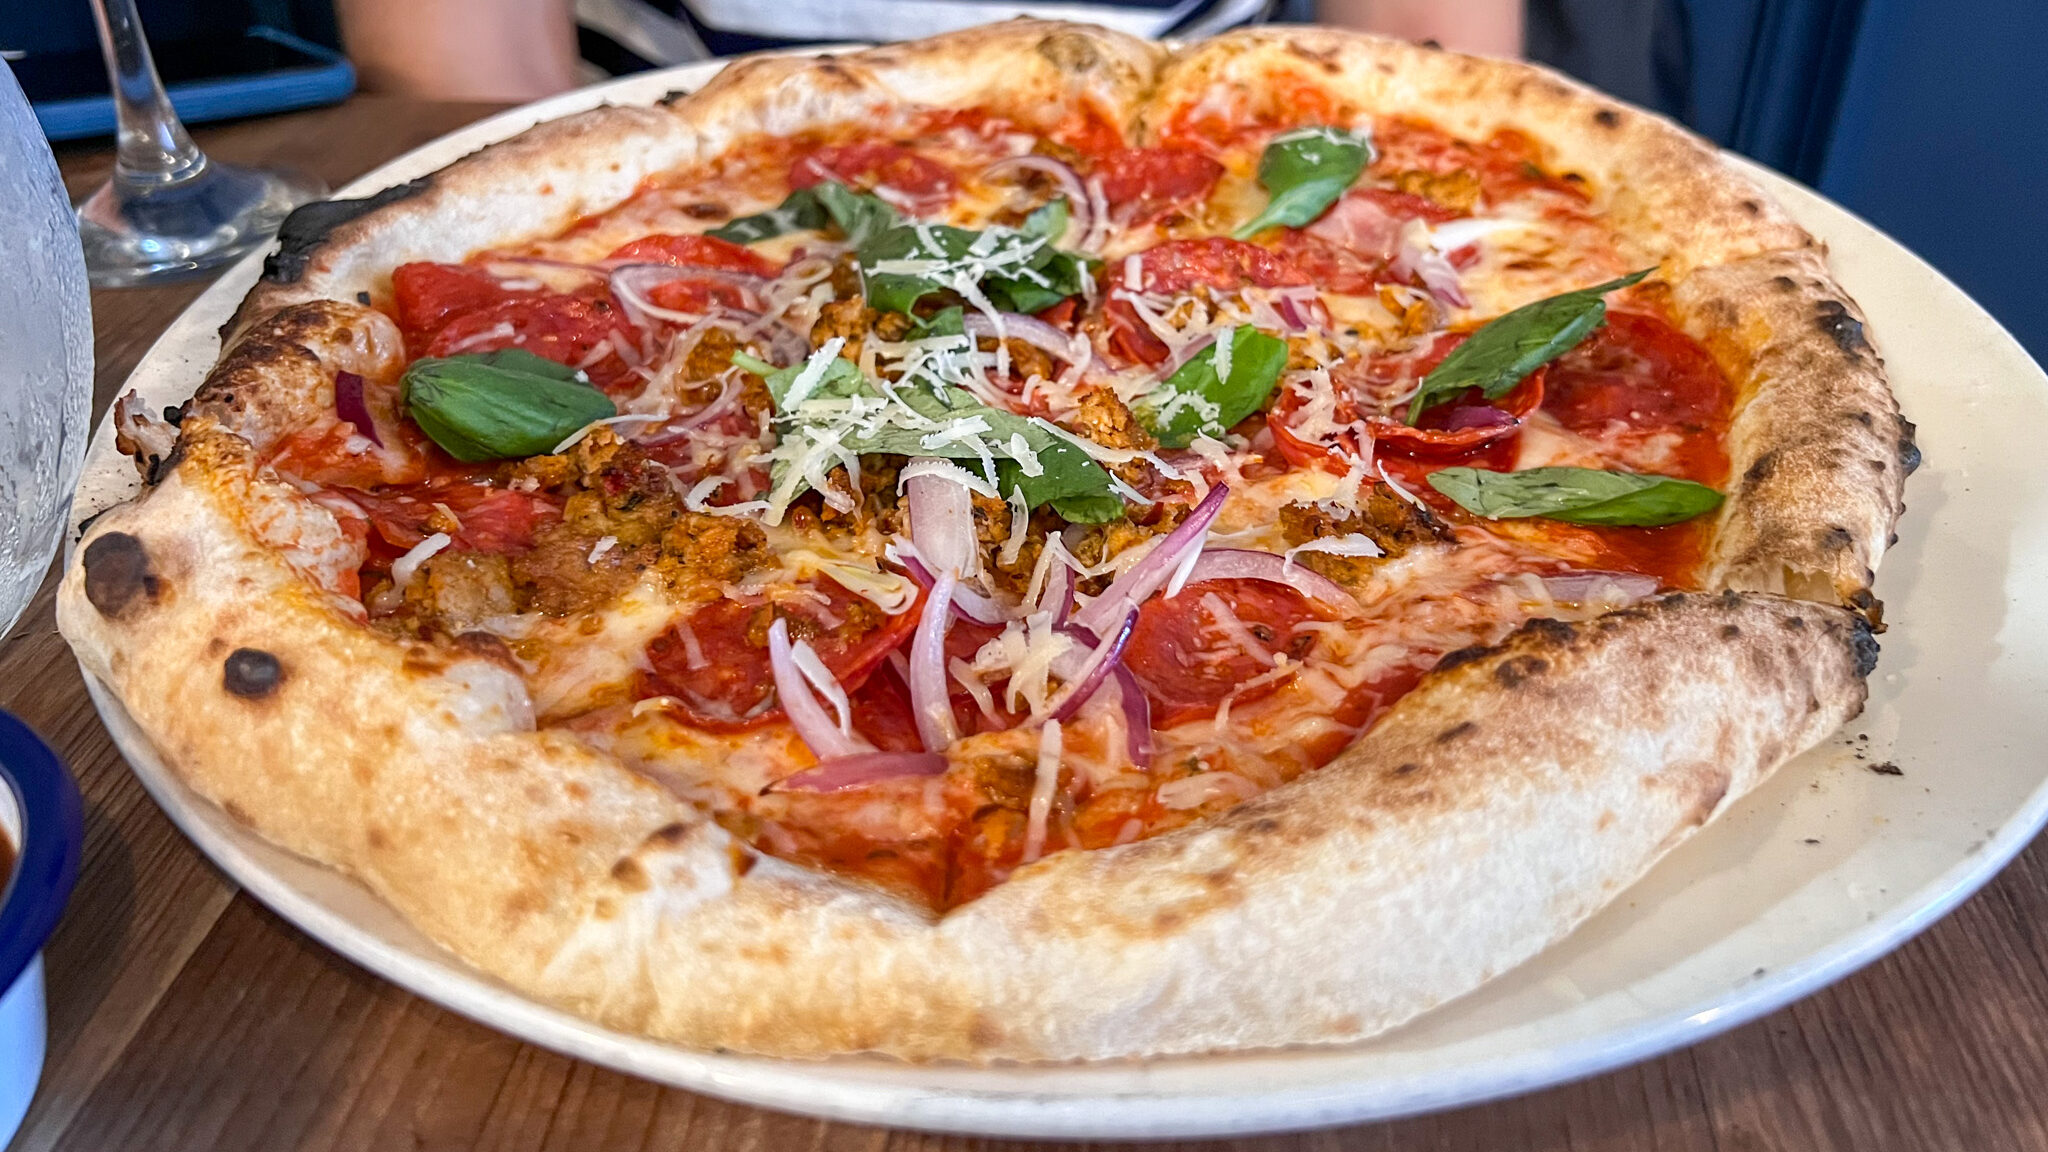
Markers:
point(199, 101)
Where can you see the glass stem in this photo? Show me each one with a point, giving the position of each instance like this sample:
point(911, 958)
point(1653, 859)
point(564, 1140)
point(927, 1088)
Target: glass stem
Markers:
point(152, 148)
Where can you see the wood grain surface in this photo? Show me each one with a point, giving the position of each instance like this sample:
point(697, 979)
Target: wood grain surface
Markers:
point(184, 1017)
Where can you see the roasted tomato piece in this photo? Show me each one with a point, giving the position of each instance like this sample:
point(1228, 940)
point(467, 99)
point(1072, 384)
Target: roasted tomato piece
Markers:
point(1189, 652)
point(715, 664)
point(876, 165)
point(1143, 183)
point(428, 296)
point(698, 294)
point(568, 329)
point(490, 519)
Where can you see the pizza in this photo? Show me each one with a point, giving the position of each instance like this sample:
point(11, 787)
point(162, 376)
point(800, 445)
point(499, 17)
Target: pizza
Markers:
point(1027, 545)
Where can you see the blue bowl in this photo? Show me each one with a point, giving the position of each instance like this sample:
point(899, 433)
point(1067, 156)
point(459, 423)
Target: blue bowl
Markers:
point(41, 814)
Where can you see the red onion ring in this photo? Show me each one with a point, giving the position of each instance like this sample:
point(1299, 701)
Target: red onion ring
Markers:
point(350, 406)
point(1058, 593)
point(631, 282)
point(1089, 676)
point(806, 715)
point(931, 700)
point(1581, 586)
point(841, 773)
point(1031, 330)
point(1435, 271)
point(728, 399)
point(1252, 564)
point(1137, 716)
point(1137, 585)
point(968, 604)
point(1080, 209)
point(941, 519)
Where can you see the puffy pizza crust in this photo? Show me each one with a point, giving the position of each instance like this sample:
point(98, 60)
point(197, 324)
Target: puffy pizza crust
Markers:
point(1509, 796)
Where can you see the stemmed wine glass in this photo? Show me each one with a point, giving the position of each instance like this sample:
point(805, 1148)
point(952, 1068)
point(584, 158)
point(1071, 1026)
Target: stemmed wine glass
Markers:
point(169, 210)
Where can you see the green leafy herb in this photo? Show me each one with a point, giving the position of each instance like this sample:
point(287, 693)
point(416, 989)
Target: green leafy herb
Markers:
point(1048, 220)
point(1202, 398)
point(1503, 352)
point(1576, 495)
point(859, 215)
point(499, 405)
point(829, 406)
point(1016, 270)
point(1305, 171)
point(945, 322)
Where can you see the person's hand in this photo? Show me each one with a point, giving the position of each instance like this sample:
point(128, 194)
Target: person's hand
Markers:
point(1487, 27)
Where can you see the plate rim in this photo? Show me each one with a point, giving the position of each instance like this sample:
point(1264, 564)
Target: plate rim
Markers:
point(807, 1088)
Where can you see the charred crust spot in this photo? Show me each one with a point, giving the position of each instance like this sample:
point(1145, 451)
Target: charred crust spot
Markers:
point(1607, 118)
point(1864, 643)
point(1729, 598)
point(1462, 728)
point(1863, 418)
point(706, 210)
point(1555, 631)
point(236, 812)
point(630, 875)
point(1909, 452)
point(1869, 606)
point(1812, 705)
point(363, 298)
point(1408, 769)
point(1730, 631)
point(1460, 657)
point(310, 224)
point(1795, 623)
point(668, 834)
point(671, 96)
point(116, 572)
point(1513, 673)
point(1263, 826)
point(1784, 283)
point(376, 839)
point(1753, 207)
point(1837, 539)
point(1761, 468)
point(251, 673)
point(174, 414)
point(1833, 319)
point(1672, 600)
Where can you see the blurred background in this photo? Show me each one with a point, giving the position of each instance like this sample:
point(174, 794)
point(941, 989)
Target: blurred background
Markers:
point(1924, 116)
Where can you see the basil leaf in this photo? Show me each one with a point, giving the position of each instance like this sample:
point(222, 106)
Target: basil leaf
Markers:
point(1505, 350)
point(1103, 508)
point(1195, 401)
point(840, 378)
point(945, 322)
point(1305, 171)
point(859, 215)
point(1576, 495)
point(499, 405)
point(1048, 220)
point(1027, 274)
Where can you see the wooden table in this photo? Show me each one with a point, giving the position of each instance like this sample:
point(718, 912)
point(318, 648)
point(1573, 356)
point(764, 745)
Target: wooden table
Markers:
point(184, 1016)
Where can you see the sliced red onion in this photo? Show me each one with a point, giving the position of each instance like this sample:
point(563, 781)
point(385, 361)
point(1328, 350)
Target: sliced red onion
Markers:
point(786, 346)
point(1137, 585)
point(1080, 209)
point(632, 282)
point(857, 771)
point(1477, 416)
point(1078, 690)
point(931, 699)
point(1031, 330)
point(1137, 716)
point(968, 604)
point(1584, 586)
point(350, 406)
point(941, 507)
point(1174, 363)
point(812, 723)
point(728, 399)
point(1431, 267)
point(1252, 564)
point(1057, 596)
point(1291, 312)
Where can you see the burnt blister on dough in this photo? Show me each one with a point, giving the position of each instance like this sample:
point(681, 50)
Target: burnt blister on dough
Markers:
point(251, 673)
point(117, 570)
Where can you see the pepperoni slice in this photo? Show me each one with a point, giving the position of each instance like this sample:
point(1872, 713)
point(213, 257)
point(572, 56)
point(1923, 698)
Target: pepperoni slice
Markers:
point(926, 183)
point(726, 684)
point(1350, 248)
point(1143, 183)
point(1179, 266)
point(1188, 663)
point(1456, 427)
point(559, 326)
point(1638, 371)
point(427, 296)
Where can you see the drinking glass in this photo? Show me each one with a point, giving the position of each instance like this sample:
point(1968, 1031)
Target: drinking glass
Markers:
point(169, 210)
point(45, 354)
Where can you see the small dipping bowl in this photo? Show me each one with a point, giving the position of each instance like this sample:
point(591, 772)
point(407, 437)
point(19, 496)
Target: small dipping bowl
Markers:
point(40, 818)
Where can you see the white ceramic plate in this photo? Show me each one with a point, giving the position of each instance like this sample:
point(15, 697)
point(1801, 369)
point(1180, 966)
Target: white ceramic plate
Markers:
point(1822, 870)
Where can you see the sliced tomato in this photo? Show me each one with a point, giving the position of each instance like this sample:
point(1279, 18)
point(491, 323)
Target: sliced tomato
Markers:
point(428, 296)
point(728, 686)
point(875, 164)
point(1143, 183)
point(1188, 664)
point(696, 295)
point(1179, 266)
point(559, 326)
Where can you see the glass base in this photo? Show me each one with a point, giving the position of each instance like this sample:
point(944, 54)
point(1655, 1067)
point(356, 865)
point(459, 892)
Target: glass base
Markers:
point(138, 233)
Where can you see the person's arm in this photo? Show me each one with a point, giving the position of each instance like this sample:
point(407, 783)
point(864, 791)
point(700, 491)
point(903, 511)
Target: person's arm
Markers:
point(487, 50)
point(1488, 27)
